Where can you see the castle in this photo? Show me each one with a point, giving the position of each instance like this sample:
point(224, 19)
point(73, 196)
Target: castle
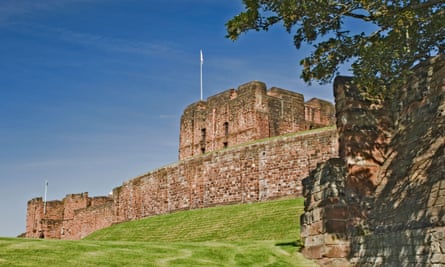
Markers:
point(242, 145)
point(374, 185)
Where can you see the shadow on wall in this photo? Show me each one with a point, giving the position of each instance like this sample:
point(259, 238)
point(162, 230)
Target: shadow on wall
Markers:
point(383, 202)
point(407, 214)
point(365, 128)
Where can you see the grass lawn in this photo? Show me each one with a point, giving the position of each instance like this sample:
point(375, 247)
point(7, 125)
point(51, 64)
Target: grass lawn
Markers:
point(259, 234)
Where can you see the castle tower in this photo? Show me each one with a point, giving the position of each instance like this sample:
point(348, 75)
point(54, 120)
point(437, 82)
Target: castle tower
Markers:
point(248, 113)
point(41, 222)
point(319, 113)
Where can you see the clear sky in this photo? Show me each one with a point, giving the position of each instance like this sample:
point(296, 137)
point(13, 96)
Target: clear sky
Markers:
point(91, 91)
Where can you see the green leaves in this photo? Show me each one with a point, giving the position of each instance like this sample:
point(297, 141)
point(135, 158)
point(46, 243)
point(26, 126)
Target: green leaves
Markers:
point(406, 32)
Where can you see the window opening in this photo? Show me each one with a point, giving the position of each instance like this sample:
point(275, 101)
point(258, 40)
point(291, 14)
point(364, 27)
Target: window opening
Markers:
point(203, 140)
point(226, 134)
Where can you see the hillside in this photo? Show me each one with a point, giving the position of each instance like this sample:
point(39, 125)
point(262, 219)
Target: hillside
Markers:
point(272, 220)
point(259, 234)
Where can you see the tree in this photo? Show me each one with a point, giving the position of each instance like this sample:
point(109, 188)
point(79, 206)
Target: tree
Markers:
point(404, 33)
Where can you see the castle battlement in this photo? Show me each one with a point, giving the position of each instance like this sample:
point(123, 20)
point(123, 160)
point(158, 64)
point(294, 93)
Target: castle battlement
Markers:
point(251, 112)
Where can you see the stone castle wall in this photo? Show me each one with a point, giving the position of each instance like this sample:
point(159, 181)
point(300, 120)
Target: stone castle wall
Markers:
point(69, 218)
point(382, 203)
point(261, 170)
point(249, 113)
point(236, 166)
point(254, 172)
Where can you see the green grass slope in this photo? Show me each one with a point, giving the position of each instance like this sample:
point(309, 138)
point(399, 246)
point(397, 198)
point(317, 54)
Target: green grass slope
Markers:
point(259, 234)
point(271, 220)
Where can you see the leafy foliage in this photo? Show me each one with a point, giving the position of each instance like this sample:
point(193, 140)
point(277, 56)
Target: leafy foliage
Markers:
point(403, 33)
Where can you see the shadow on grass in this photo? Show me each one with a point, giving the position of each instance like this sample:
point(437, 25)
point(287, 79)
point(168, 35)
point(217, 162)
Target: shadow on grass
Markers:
point(289, 244)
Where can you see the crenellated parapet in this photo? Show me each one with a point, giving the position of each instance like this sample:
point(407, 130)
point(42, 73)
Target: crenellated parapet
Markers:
point(251, 112)
point(59, 218)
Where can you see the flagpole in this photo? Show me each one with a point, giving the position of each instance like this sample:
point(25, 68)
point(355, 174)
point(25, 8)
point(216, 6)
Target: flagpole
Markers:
point(44, 200)
point(202, 60)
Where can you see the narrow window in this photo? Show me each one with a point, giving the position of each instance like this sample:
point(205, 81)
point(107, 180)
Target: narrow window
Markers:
point(203, 140)
point(203, 134)
point(226, 134)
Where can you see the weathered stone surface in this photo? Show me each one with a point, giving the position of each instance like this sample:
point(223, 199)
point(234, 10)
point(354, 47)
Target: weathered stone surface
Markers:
point(249, 113)
point(336, 226)
point(392, 186)
point(336, 251)
point(326, 214)
point(74, 217)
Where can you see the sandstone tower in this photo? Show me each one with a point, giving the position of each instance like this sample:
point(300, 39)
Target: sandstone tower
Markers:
point(249, 113)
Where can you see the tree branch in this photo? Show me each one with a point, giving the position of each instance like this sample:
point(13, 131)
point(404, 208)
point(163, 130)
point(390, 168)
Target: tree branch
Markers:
point(358, 16)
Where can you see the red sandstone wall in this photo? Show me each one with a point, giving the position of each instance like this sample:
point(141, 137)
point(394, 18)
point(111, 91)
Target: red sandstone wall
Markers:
point(85, 219)
point(246, 114)
point(407, 216)
point(34, 215)
point(254, 172)
point(72, 218)
point(286, 111)
point(258, 171)
point(91, 219)
point(319, 112)
point(44, 224)
point(262, 170)
point(383, 202)
point(73, 202)
point(202, 123)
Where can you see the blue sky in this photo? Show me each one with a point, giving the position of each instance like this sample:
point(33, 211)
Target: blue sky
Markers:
point(91, 91)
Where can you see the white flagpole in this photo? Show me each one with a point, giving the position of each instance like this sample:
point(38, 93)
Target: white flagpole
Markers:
point(202, 61)
point(44, 200)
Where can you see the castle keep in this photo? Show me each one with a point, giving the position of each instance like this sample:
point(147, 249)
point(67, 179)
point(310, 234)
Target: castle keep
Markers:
point(218, 162)
point(249, 113)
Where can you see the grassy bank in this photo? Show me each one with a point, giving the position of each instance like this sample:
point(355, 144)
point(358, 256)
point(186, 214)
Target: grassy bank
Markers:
point(259, 234)
point(272, 220)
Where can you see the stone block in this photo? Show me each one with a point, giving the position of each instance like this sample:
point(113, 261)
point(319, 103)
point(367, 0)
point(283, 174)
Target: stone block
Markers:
point(336, 212)
point(335, 239)
point(313, 241)
point(316, 228)
point(437, 235)
point(438, 258)
point(336, 251)
point(335, 226)
point(421, 250)
point(334, 262)
point(314, 252)
point(440, 201)
point(317, 214)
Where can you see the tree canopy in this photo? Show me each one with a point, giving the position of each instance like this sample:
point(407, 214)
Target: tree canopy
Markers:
point(403, 33)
